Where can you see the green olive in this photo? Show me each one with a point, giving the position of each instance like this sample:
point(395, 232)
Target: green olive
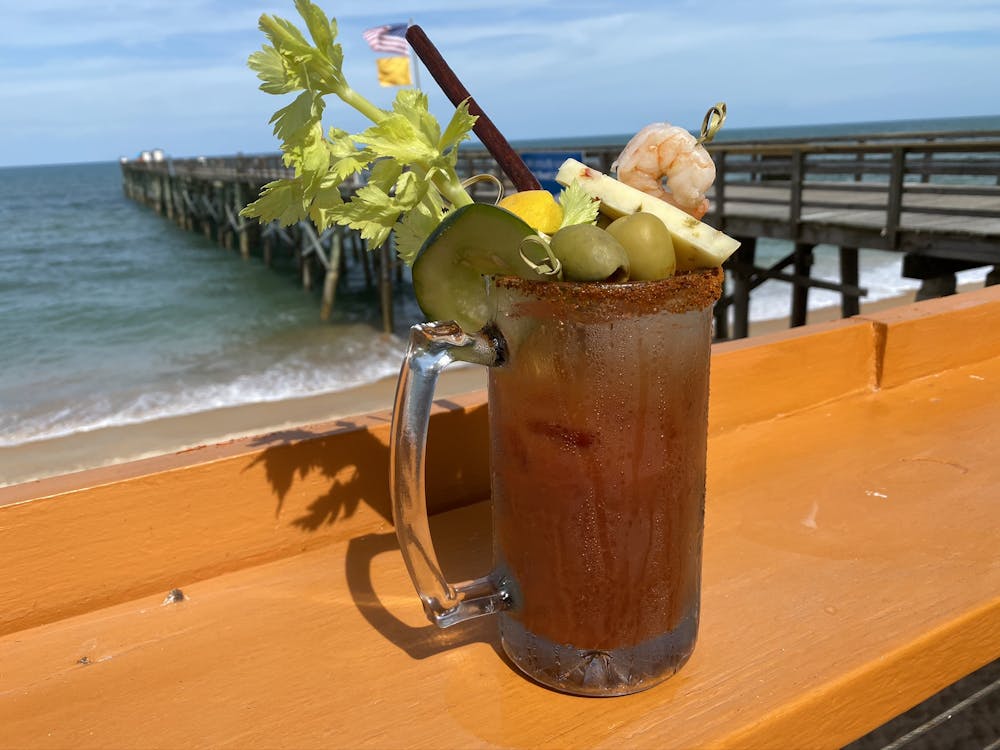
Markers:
point(590, 254)
point(648, 244)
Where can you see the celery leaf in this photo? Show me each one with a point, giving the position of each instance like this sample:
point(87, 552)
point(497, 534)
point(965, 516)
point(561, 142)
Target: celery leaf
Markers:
point(384, 173)
point(327, 198)
point(304, 112)
point(396, 137)
point(371, 211)
point(458, 128)
point(346, 158)
point(281, 201)
point(577, 206)
point(322, 31)
point(409, 190)
point(270, 68)
point(408, 161)
point(416, 226)
point(309, 156)
point(413, 105)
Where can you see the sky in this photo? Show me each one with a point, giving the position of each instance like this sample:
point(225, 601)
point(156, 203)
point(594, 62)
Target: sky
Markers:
point(96, 81)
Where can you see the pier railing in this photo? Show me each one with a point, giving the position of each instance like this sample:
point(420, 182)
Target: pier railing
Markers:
point(893, 166)
point(892, 177)
point(934, 196)
point(935, 199)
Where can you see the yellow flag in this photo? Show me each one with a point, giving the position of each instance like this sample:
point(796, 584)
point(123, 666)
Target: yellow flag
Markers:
point(393, 71)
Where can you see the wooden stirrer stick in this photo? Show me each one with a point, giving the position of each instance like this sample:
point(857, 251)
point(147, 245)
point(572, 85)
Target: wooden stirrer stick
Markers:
point(507, 158)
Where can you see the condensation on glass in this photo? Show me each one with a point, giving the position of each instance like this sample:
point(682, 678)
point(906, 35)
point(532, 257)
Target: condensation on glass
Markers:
point(598, 402)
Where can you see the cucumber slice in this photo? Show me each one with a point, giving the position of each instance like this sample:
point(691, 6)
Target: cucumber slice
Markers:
point(471, 242)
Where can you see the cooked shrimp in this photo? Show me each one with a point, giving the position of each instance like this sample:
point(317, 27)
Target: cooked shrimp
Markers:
point(662, 150)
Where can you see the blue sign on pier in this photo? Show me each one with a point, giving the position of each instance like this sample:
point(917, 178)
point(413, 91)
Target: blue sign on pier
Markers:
point(545, 164)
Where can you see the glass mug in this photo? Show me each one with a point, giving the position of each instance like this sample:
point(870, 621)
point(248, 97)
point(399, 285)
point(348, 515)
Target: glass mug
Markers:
point(598, 412)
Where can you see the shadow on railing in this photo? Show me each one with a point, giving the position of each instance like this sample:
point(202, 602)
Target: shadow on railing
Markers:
point(418, 641)
point(353, 461)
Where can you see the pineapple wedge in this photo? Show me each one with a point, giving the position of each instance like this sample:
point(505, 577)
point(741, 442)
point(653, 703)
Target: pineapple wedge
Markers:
point(696, 244)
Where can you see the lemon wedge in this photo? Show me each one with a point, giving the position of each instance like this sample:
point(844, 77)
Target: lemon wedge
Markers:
point(537, 208)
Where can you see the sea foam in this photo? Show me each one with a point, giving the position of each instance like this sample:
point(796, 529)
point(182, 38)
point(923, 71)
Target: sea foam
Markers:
point(285, 380)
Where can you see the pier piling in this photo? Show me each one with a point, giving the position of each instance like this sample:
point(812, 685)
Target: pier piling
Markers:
point(934, 197)
point(206, 196)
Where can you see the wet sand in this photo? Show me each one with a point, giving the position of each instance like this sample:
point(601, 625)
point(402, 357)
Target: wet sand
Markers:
point(115, 445)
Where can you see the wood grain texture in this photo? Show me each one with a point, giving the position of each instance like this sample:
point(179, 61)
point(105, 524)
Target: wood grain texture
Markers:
point(922, 339)
point(119, 534)
point(780, 373)
point(850, 572)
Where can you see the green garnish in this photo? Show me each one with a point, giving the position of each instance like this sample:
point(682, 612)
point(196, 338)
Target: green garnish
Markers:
point(412, 182)
point(578, 207)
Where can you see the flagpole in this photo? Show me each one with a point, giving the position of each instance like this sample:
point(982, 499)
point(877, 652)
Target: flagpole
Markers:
point(413, 61)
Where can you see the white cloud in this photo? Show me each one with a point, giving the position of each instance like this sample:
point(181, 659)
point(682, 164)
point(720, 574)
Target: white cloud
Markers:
point(53, 24)
point(174, 70)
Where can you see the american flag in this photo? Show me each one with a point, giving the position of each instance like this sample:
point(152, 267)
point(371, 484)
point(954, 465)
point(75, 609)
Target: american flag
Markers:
point(390, 37)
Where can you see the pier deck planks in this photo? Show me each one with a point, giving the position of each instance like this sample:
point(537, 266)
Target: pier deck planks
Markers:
point(938, 211)
point(936, 195)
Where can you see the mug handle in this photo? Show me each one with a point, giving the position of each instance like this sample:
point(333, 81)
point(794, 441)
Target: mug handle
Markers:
point(432, 347)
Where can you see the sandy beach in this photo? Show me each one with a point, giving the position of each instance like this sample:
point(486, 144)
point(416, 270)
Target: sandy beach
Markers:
point(113, 445)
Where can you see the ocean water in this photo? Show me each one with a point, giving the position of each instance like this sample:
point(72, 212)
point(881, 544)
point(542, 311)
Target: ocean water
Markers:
point(111, 315)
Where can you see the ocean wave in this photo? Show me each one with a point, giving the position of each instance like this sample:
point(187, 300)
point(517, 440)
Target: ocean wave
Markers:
point(287, 380)
point(881, 275)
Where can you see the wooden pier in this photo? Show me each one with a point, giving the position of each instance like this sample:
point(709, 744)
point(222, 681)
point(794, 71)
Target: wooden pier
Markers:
point(206, 195)
point(933, 196)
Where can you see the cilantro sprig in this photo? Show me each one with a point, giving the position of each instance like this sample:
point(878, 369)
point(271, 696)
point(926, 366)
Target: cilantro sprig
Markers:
point(410, 161)
point(577, 205)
